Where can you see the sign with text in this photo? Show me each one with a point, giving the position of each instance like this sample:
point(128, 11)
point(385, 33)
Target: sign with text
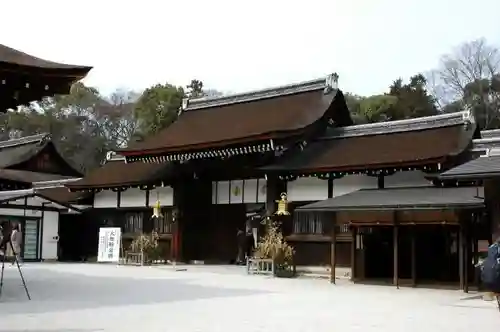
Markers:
point(109, 244)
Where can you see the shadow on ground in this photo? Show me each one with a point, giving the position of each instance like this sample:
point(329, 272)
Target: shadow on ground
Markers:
point(56, 291)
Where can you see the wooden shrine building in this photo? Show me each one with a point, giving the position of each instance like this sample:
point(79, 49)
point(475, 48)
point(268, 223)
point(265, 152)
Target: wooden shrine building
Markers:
point(31, 193)
point(350, 187)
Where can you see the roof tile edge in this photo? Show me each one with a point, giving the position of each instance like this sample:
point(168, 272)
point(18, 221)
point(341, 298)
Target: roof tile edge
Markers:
point(422, 123)
point(328, 84)
point(39, 138)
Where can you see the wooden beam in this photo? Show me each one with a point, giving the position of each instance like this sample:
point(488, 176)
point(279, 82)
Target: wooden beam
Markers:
point(333, 252)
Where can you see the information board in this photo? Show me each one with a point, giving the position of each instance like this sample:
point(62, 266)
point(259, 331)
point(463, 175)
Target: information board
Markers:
point(109, 244)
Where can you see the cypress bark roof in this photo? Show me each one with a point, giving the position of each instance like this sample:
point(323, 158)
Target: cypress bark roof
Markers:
point(208, 124)
point(404, 143)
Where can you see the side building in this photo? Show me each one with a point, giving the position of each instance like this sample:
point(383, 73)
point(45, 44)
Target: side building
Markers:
point(30, 169)
point(123, 195)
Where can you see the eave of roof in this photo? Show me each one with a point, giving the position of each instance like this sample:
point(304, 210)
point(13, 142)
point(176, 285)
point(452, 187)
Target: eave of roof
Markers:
point(483, 167)
point(418, 198)
point(9, 196)
point(28, 176)
point(13, 57)
point(116, 173)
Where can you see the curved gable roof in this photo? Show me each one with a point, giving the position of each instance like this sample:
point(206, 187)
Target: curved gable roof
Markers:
point(215, 123)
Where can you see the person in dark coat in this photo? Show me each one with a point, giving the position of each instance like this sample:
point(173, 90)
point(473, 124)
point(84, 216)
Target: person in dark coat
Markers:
point(241, 238)
point(249, 242)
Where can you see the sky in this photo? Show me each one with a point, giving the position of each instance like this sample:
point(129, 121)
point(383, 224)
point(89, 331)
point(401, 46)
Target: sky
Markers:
point(236, 46)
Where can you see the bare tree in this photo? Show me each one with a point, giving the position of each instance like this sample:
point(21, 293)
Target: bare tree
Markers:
point(468, 77)
point(117, 116)
point(468, 63)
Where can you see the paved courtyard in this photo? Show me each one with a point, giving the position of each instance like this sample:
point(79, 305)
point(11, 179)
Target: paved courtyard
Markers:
point(87, 298)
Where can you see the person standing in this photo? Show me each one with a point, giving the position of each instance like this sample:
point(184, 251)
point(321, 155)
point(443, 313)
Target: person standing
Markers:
point(241, 238)
point(16, 238)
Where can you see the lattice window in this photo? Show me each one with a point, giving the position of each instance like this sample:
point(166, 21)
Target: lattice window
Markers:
point(308, 223)
point(134, 222)
point(344, 228)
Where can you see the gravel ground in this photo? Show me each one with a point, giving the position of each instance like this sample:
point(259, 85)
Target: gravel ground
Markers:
point(91, 297)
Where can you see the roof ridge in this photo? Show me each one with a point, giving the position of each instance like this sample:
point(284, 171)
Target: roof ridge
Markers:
point(38, 138)
point(422, 123)
point(329, 82)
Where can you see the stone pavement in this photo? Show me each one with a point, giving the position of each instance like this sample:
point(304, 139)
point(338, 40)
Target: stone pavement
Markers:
point(91, 297)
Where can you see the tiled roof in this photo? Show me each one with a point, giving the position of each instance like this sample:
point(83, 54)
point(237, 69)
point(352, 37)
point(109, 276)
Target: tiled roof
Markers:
point(479, 168)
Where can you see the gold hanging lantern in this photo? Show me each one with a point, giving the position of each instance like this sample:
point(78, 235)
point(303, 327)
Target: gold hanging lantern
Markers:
point(282, 206)
point(157, 209)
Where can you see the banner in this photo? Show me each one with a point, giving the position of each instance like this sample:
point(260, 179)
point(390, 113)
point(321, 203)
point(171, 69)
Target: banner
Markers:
point(109, 244)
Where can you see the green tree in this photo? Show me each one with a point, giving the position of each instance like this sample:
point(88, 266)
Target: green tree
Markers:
point(195, 89)
point(403, 101)
point(157, 107)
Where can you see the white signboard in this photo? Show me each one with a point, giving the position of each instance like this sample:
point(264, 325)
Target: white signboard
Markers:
point(109, 244)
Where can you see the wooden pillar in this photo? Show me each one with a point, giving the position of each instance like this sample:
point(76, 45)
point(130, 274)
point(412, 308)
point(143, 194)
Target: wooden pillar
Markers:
point(413, 256)
point(175, 241)
point(272, 194)
point(467, 259)
point(333, 252)
point(395, 255)
point(461, 257)
point(354, 236)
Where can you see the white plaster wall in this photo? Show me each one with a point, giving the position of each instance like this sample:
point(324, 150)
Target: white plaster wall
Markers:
point(133, 197)
point(406, 179)
point(351, 183)
point(164, 194)
point(50, 236)
point(307, 189)
point(20, 212)
point(106, 199)
point(239, 191)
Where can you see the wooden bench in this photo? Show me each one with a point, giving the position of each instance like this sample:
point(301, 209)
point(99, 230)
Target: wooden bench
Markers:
point(260, 266)
point(134, 258)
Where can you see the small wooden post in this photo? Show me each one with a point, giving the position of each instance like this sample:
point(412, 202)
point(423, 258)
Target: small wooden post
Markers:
point(413, 256)
point(396, 255)
point(333, 253)
point(354, 231)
